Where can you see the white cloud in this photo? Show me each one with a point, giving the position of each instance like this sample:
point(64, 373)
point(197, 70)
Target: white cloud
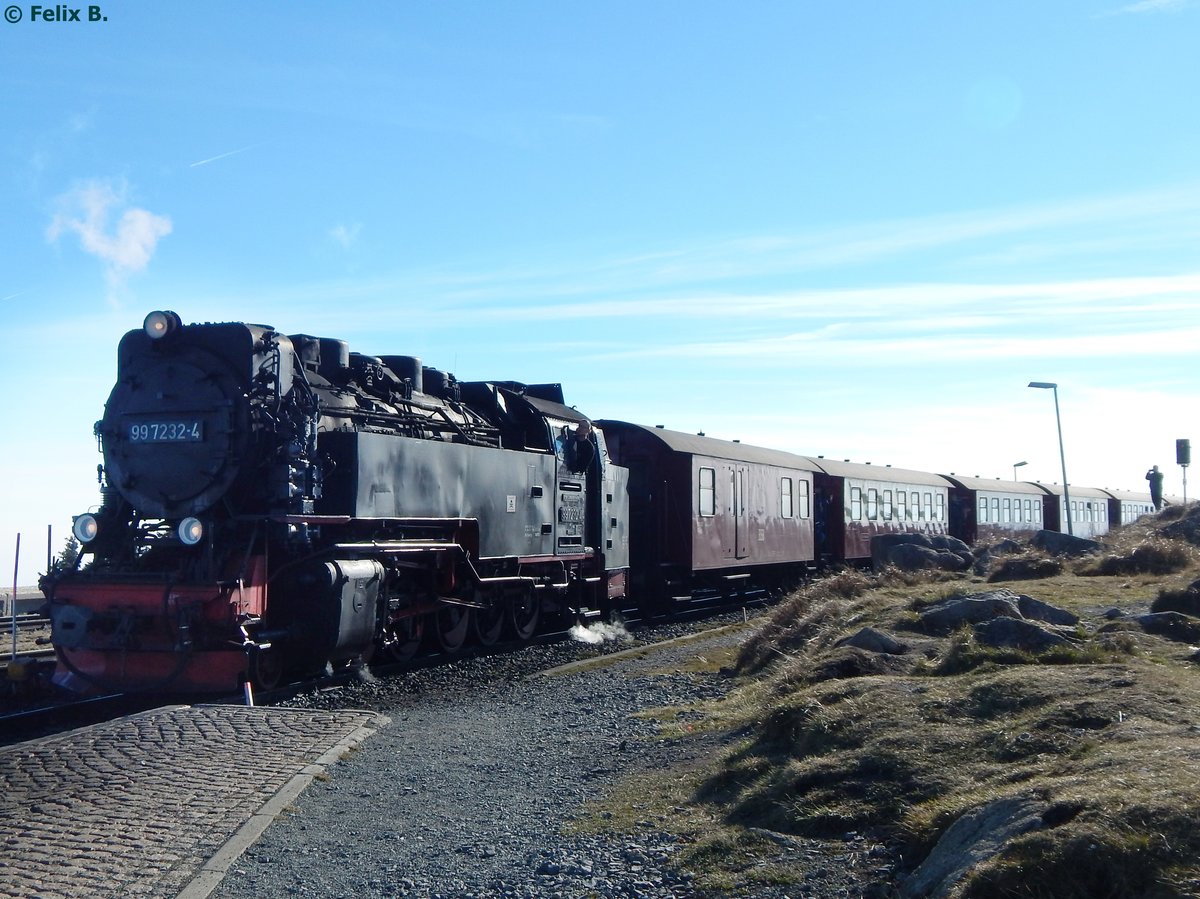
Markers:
point(1149, 6)
point(126, 246)
point(345, 235)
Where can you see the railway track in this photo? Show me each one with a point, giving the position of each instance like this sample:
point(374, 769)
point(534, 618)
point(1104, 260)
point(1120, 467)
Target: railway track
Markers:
point(566, 644)
point(56, 718)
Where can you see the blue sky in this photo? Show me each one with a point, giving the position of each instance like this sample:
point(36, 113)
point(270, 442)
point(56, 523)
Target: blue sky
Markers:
point(850, 229)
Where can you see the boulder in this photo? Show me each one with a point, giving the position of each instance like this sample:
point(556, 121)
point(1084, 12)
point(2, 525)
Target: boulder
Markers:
point(985, 555)
point(953, 545)
point(914, 552)
point(1015, 633)
point(874, 641)
point(1043, 611)
point(1058, 544)
point(950, 614)
point(1025, 568)
point(974, 838)
point(911, 557)
point(849, 661)
point(1172, 625)
point(1186, 601)
point(883, 544)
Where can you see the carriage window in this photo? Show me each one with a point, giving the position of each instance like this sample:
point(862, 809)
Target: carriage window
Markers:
point(856, 504)
point(901, 505)
point(785, 498)
point(1006, 511)
point(708, 492)
point(995, 508)
point(941, 507)
point(1017, 517)
point(929, 507)
point(872, 503)
point(802, 489)
point(983, 510)
point(887, 505)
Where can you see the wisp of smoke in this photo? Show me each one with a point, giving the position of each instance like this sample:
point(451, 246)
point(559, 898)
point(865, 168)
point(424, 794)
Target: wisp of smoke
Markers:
point(599, 632)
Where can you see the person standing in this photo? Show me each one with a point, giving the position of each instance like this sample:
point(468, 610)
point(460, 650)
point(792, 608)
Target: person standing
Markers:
point(1154, 476)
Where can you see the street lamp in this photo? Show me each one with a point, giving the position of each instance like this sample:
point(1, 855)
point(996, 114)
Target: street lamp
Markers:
point(1017, 465)
point(1047, 385)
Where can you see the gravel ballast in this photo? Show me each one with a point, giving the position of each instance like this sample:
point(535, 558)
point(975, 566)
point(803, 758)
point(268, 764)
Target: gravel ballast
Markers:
point(466, 792)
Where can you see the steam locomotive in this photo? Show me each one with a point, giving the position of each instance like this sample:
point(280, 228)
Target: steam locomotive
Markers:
point(275, 504)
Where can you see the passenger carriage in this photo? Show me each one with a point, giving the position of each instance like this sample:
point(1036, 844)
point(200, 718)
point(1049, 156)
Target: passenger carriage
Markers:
point(856, 502)
point(1089, 510)
point(1126, 506)
point(987, 510)
point(711, 513)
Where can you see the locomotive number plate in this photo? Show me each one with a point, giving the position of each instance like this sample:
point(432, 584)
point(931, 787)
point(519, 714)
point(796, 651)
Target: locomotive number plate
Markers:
point(180, 431)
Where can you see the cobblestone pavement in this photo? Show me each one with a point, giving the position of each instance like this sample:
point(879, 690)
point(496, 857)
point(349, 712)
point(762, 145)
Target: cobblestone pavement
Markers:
point(159, 803)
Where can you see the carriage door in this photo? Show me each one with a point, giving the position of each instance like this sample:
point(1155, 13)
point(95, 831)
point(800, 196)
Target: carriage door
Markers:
point(741, 523)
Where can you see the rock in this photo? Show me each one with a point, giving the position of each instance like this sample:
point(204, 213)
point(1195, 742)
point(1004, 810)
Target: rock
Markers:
point(1043, 611)
point(1058, 544)
point(914, 552)
point(911, 557)
point(883, 544)
point(984, 556)
point(951, 544)
point(974, 838)
point(956, 547)
point(873, 640)
point(1014, 633)
point(1025, 568)
point(950, 614)
point(1172, 625)
point(849, 661)
point(1186, 601)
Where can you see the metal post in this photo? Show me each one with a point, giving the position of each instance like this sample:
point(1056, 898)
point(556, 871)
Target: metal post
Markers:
point(1062, 453)
point(16, 568)
point(1017, 465)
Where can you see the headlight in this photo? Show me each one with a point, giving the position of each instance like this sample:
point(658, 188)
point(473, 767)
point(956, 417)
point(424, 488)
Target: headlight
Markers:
point(159, 324)
point(191, 531)
point(85, 528)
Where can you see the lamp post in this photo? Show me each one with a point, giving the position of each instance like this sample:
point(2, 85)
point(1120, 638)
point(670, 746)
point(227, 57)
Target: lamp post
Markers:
point(1047, 385)
point(1017, 465)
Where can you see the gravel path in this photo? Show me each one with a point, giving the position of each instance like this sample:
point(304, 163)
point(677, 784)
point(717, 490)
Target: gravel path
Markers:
point(466, 792)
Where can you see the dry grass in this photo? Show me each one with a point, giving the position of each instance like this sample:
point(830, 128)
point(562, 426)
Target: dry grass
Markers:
point(1105, 736)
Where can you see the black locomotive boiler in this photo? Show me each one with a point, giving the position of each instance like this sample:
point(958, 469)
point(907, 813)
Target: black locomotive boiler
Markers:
point(276, 503)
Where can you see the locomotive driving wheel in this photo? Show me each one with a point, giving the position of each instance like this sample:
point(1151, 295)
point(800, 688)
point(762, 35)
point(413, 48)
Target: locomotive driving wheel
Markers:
point(266, 668)
point(524, 614)
point(452, 624)
point(489, 624)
